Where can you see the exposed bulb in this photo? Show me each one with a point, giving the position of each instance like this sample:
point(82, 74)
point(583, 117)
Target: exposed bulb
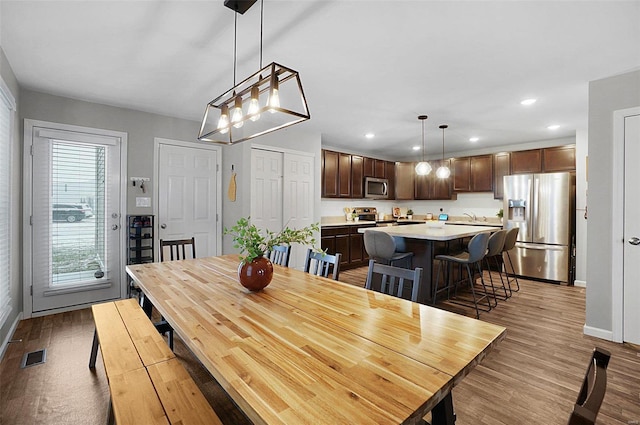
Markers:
point(443, 172)
point(223, 121)
point(254, 105)
point(274, 97)
point(423, 168)
point(236, 114)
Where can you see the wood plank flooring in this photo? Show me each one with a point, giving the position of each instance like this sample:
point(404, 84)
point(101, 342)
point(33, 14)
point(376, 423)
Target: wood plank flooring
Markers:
point(532, 377)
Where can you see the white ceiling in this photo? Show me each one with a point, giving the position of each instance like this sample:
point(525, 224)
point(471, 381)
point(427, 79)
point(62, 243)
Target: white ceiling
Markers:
point(366, 66)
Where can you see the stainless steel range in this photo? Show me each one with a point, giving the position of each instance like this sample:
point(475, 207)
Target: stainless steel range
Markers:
point(366, 213)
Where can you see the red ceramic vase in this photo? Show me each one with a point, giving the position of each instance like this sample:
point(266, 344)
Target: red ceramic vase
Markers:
point(255, 275)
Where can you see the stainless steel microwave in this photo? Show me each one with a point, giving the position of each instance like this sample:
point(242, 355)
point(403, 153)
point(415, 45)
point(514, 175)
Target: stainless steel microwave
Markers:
point(376, 188)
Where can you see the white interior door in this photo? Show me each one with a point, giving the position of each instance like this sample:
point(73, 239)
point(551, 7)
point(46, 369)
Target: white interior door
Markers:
point(298, 200)
point(631, 328)
point(75, 195)
point(266, 189)
point(188, 196)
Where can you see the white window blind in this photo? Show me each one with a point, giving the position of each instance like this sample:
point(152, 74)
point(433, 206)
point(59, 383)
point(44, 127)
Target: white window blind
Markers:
point(7, 107)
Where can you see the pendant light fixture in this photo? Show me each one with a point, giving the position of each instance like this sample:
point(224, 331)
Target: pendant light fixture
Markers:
point(274, 88)
point(443, 171)
point(423, 167)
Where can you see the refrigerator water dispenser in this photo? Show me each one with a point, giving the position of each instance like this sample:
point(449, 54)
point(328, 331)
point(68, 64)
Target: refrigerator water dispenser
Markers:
point(516, 209)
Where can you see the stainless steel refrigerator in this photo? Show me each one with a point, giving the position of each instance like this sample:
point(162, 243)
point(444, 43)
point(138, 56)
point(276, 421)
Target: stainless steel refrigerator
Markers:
point(542, 206)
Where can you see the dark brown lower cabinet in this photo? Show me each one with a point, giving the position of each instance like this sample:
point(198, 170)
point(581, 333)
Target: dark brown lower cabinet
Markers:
point(347, 241)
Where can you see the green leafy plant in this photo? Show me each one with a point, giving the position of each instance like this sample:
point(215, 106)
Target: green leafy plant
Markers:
point(500, 213)
point(254, 242)
point(409, 211)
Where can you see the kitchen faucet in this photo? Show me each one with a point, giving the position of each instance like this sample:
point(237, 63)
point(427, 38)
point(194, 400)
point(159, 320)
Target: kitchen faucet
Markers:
point(472, 217)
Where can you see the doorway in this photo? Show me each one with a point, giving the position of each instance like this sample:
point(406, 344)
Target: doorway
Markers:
point(188, 193)
point(626, 231)
point(282, 188)
point(73, 200)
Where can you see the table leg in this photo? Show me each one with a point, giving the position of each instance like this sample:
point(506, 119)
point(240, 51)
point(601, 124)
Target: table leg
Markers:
point(443, 413)
point(94, 351)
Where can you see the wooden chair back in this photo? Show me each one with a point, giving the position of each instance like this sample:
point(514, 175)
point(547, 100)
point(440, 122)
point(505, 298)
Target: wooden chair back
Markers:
point(390, 276)
point(319, 264)
point(177, 249)
point(280, 255)
point(593, 388)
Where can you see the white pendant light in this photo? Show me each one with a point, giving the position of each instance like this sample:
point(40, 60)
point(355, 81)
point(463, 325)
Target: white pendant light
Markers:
point(423, 167)
point(443, 172)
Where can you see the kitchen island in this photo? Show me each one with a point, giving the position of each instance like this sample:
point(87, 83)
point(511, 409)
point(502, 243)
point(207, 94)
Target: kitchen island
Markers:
point(421, 239)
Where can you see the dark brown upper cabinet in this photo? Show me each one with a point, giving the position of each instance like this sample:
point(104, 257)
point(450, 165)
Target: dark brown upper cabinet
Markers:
point(472, 174)
point(461, 174)
point(344, 171)
point(559, 158)
point(357, 176)
point(330, 163)
point(501, 168)
point(523, 162)
point(405, 180)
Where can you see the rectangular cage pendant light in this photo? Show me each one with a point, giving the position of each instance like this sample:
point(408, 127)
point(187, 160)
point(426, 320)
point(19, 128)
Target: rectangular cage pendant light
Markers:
point(269, 100)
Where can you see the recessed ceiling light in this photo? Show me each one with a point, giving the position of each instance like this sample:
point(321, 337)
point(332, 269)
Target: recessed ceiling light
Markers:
point(369, 135)
point(474, 139)
point(553, 127)
point(528, 102)
point(416, 148)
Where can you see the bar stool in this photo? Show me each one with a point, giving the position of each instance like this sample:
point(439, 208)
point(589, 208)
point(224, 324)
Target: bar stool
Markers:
point(476, 251)
point(494, 249)
point(509, 243)
point(385, 249)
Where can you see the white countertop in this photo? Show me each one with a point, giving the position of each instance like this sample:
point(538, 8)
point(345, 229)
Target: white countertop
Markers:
point(425, 231)
point(347, 223)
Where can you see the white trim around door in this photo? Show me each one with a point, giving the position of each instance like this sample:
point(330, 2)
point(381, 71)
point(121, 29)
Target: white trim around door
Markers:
point(157, 142)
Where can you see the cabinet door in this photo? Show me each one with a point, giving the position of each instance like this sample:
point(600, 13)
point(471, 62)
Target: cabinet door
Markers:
point(342, 246)
point(330, 174)
point(390, 174)
point(357, 176)
point(560, 158)
point(404, 180)
point(356, 242)
point(523, 162)
point(441, 188)
point(328, 244)
point(369, 167)
point(501, 167)
point(378, 170)
point(481, 173)
point(423, 185)
point(344, 173)
point(460, 173)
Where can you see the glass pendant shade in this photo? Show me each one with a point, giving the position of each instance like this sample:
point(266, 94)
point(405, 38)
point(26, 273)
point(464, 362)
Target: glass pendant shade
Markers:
point(423, 168)
point(443, 172)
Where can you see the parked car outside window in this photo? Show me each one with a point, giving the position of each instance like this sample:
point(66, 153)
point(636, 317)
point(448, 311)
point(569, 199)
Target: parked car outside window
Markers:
point(88, 211)
point(68, 212)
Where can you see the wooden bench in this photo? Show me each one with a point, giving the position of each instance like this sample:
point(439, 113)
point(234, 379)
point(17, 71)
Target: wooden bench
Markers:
point(147, 383)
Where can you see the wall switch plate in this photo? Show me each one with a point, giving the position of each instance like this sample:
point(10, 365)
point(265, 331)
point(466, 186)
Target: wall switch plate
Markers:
point(142, 201)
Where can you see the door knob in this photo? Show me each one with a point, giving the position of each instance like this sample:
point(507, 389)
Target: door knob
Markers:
point(163, 226)
point(114, 227)
point(634, 241)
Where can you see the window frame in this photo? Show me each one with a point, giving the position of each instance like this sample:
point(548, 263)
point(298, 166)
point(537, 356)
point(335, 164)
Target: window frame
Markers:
point(6, 305)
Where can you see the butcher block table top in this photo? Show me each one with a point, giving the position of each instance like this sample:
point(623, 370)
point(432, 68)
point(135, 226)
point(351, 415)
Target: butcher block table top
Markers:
point(307, 349)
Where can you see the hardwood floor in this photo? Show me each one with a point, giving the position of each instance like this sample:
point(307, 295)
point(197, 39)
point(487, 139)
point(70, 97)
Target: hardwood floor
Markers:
point(532, 377)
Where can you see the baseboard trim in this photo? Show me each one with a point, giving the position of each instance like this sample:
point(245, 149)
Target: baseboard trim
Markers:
point(598, 333)
point(5, 343)
point(581, 283)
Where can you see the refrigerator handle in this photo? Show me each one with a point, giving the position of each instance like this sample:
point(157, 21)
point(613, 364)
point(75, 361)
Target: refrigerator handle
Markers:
point(534, 210)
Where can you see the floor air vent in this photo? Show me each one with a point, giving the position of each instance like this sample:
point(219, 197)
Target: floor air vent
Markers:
point(34, 358)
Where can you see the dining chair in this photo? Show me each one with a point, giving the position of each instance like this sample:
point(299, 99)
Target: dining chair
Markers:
point(280, 255)
point(319, 264)
point(494, 249)
point(177, 251)
point(177, 248)
point(394, 277)
point(593, 388)
point(471, 258)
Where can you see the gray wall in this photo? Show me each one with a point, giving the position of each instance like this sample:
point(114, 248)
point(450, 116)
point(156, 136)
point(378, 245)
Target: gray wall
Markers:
point(16, 203)
point(142, 128)
point(605, 97)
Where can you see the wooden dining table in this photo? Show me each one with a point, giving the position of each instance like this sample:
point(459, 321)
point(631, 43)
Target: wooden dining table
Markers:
point(310, 350)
